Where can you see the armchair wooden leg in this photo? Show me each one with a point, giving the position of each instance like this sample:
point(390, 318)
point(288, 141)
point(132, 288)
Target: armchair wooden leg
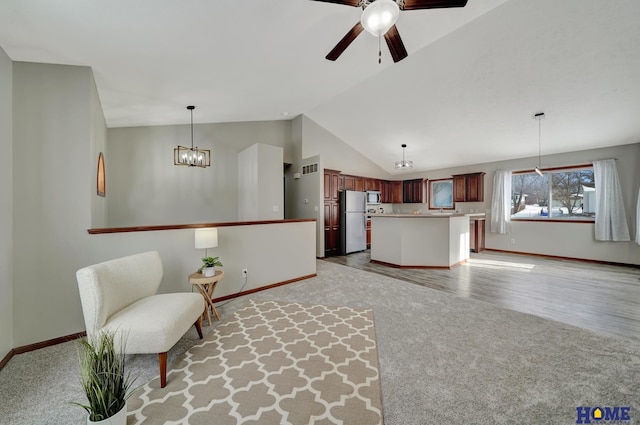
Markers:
point(162, 360)
point(199, 326)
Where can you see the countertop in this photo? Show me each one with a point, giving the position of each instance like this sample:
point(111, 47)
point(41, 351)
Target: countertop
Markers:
point(425, 215)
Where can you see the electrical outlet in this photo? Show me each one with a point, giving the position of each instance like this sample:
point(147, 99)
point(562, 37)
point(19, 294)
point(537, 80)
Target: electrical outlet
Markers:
point(513, 241)
point(244, 272)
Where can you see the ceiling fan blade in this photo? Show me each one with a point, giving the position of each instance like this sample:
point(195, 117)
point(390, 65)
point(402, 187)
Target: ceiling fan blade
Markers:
point(345, 42)
point(345, 2)
point(432, 4)
point(395, 44)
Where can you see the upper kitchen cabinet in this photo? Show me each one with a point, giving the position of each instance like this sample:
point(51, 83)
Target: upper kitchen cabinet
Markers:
point(396, 192)
point(349, 182)
point(354, 183)
point(468, 187)
point(385, 192)
point(373, 184)
point(413, 191)
point(332, 180)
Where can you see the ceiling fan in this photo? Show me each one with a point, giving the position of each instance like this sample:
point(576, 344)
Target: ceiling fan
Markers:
point(379, 18)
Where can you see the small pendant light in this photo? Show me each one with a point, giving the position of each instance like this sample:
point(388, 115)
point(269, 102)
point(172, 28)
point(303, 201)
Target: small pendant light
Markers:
point(404, 164)
point(539, 116)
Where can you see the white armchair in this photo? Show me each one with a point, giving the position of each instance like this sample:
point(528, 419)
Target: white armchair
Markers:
point(120, 296)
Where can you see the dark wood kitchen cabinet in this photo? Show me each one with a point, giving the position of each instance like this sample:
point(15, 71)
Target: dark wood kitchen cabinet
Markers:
point(354, 183)
point(372, 184)
point(349, 182)
point(331, 184)
point(385, 192)
point(368, 233)
point(459, 188)
point(396, 192)
point(331, 229)
point(468, 187)
point(413, 191)
point(391, 192)
point(476, 234)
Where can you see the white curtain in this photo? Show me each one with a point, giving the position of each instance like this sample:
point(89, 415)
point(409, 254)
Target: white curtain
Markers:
point(638, 220)
point(611, 219)
point(501, 202)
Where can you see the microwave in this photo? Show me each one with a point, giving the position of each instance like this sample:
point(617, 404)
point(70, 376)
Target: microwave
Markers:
point(374, 197)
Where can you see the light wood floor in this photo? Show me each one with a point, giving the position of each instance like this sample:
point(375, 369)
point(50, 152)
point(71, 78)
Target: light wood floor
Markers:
point(602, 298)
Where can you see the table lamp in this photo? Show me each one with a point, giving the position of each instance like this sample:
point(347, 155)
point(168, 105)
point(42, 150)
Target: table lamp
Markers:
point(206, 238)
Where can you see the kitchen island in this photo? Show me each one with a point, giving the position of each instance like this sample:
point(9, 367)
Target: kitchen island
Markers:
point(436, 240)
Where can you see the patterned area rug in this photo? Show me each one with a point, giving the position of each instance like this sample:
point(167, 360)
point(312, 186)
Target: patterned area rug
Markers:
point(273, 363)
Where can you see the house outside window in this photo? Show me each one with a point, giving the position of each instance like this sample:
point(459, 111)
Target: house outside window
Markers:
point(567, 193)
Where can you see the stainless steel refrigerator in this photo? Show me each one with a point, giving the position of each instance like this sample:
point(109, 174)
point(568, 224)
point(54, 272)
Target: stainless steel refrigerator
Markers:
point(353, 221)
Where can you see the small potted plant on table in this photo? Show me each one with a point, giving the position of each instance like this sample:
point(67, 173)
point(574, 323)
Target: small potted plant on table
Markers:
point(209, 264)
point(104, 381)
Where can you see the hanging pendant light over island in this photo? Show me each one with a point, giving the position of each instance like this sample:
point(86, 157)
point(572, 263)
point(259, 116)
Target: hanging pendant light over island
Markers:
point(404, 164)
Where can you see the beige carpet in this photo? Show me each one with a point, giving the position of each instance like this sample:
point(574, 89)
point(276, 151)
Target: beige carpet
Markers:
point(273, 363)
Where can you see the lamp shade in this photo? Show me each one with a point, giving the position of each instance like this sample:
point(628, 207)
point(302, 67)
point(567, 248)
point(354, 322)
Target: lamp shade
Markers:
point(379, 16)
point(207, 238)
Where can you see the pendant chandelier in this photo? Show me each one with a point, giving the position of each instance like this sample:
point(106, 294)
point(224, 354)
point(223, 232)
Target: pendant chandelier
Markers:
point(191, 157)
point(404, 164)
point(539, 116)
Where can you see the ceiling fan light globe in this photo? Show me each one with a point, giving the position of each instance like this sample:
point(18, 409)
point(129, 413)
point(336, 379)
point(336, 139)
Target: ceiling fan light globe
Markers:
point(379, 16)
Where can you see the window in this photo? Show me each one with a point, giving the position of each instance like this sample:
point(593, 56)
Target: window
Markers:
point(560, 194)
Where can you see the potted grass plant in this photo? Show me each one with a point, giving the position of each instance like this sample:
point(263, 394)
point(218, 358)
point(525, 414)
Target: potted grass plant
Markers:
point(104, 380)
point(209, 264)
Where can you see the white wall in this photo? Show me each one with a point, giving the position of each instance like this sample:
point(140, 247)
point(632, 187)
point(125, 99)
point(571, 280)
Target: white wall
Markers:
point(307, 192)
point(270, 183)
point(6, 206)
point(52, 204)
point(148, 189)
point(271, 253)
point(292, 196)
point(575, 240)
point(311, 202)
point(335, 153)
point(260, 183)
point(304, 196)
point(98, 144)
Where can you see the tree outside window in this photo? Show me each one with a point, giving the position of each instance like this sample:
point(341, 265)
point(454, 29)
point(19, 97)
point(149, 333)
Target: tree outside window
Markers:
point(567, 194)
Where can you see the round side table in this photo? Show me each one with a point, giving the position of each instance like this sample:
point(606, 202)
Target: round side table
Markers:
point(206, 285)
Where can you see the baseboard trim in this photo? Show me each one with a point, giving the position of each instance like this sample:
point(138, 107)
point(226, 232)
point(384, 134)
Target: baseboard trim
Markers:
point(262, 288)
point(559, 257)
point(38, 345)
point(6, 358)
point(48, 343)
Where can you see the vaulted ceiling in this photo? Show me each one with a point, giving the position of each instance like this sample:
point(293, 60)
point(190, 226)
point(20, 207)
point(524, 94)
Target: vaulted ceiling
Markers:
point(466, 94)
